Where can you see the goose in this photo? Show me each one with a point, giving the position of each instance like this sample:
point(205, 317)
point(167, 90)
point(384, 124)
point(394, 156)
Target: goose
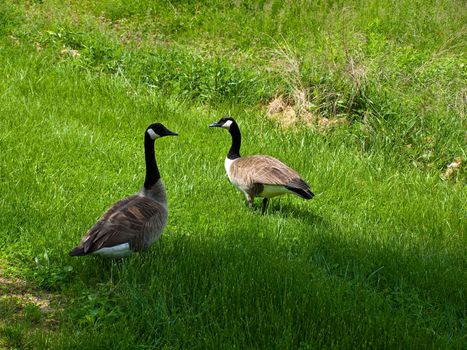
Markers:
point(135, 222)
point(259, 175)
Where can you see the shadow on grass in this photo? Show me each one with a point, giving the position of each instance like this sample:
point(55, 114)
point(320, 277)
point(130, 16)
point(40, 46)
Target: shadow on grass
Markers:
point(242, 289)
point(289, 210)
point(407, 265)
point(245, 288)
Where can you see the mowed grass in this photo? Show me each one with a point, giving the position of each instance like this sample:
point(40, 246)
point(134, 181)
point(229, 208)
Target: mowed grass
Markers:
point(376, 260)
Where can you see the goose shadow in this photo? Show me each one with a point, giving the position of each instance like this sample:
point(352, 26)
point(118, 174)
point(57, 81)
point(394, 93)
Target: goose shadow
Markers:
point(288, 209)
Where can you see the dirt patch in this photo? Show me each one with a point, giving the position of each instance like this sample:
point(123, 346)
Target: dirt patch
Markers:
point(26, 300)
point(282, 113)
point(289, 114)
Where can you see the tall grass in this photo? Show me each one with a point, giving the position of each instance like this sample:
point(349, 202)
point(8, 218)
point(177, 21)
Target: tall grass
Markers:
point(376, 260)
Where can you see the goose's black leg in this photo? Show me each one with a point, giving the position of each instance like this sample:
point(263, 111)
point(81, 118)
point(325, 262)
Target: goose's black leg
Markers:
point(265, 204)
point(249, 200)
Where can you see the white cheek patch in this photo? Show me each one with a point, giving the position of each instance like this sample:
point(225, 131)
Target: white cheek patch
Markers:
point(153, 134)
point(227, 124)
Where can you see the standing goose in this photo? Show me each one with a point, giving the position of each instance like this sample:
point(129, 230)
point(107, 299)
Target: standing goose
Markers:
point(259, 176)
point(135, 222)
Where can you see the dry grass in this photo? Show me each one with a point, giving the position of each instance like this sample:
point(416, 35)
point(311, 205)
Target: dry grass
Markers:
point(453, 169)
point(288, 65)
point(295, 107)
point(288, 115)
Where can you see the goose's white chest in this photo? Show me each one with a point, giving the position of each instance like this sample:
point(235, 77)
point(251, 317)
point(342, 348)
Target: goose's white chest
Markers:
point(227, 165)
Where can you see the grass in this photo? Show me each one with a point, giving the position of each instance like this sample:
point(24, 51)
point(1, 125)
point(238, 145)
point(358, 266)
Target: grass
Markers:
point(375, 260)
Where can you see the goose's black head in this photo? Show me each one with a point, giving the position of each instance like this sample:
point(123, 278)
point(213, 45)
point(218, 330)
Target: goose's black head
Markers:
point(225, 122)
point(157, 130)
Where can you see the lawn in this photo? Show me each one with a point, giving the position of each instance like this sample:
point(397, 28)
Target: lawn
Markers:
point(365, 99)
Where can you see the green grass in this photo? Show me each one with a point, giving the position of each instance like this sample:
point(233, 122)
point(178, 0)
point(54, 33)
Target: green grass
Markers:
point(376, 260)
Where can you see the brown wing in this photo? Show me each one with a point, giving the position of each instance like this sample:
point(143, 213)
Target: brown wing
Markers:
point(264, 170)
point(122, 223)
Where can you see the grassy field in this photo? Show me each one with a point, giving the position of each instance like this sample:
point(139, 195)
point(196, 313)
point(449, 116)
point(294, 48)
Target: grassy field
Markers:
point(366, 99)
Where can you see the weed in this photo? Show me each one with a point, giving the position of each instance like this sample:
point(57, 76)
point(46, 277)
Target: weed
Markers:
point(51, 276)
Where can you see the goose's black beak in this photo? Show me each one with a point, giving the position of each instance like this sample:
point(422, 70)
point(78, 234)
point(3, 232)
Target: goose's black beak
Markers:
point(215, 125)
point(170, 133)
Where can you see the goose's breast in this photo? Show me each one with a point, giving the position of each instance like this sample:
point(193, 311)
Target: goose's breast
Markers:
point(228, 166)
point(155, 227)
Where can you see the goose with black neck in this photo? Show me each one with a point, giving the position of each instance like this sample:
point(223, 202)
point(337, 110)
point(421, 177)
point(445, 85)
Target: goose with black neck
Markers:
point(134, 223)
point(259, 175)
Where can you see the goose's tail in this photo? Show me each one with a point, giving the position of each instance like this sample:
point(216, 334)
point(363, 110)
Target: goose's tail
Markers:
point(304, 193)
point(300, 188)
point(78, 251)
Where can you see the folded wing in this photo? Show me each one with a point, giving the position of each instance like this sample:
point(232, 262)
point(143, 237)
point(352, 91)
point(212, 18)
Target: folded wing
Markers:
point(125, 222)
point(265, 170)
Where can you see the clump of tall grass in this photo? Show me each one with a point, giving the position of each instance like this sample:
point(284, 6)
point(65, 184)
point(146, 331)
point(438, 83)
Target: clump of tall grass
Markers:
point(362, 90)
